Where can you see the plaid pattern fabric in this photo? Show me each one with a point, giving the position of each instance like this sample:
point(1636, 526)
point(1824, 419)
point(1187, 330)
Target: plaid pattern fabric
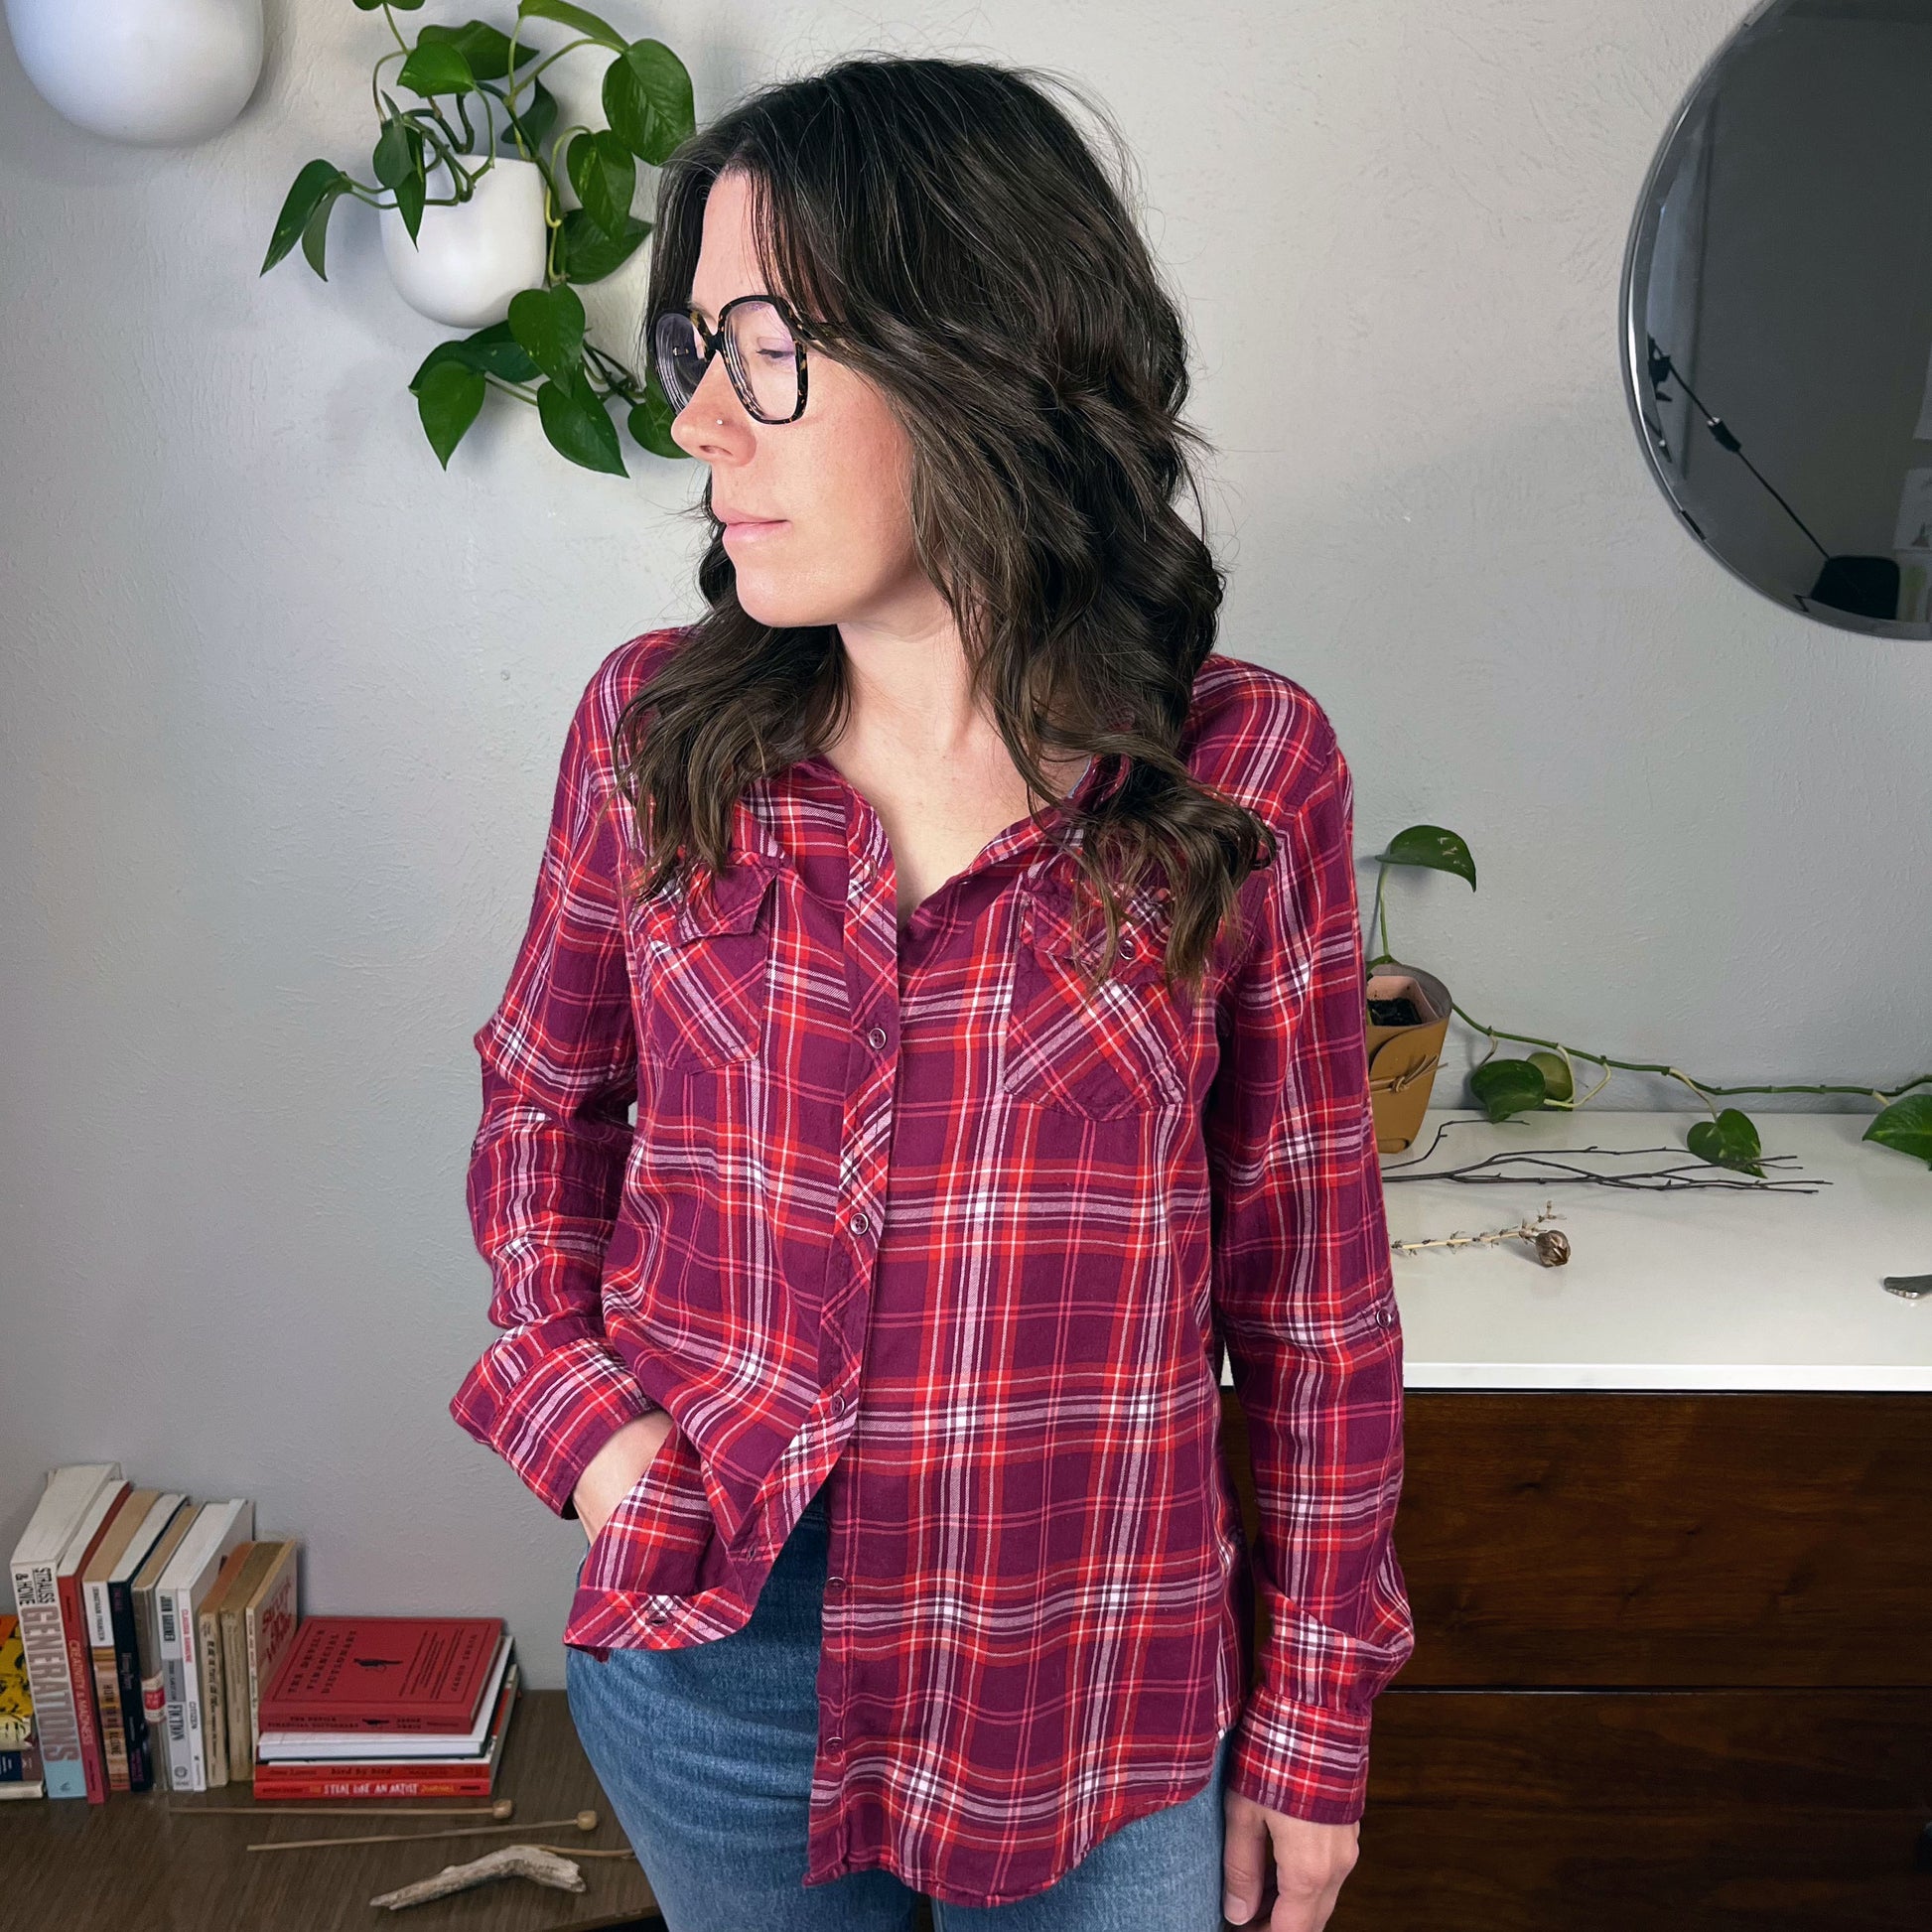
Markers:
point(914, 1214)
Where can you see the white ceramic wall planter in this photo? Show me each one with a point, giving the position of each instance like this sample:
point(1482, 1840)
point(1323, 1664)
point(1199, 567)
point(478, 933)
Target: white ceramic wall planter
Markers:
point(156, 72)
point(468, 259)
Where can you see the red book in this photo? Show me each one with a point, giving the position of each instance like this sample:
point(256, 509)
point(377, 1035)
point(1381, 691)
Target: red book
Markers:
point(74, 1628)
point(459, 1778)
point(390, 1673)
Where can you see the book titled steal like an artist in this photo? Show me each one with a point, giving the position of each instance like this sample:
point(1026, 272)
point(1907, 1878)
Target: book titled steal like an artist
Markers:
point(389, 1672)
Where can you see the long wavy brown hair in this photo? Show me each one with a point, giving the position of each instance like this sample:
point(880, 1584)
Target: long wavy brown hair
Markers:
point(943, 228)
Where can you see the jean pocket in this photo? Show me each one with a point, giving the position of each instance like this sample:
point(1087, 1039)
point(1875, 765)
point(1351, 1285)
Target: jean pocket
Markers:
point(1099, 1050)
point(705, 969)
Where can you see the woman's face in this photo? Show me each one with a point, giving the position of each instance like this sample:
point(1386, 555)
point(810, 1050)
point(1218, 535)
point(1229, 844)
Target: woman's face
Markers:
point(833, 483)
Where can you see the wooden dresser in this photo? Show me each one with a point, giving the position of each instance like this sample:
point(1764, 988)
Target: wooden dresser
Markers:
point(1667, 1530)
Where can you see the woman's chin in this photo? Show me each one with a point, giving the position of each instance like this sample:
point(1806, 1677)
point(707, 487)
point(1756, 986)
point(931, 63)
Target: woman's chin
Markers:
point(774, 602)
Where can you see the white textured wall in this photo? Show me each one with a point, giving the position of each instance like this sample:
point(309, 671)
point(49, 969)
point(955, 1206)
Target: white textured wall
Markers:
point(282, 701)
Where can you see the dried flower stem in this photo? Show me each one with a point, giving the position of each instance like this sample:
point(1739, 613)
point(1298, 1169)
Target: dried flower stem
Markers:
point(1550, 1245)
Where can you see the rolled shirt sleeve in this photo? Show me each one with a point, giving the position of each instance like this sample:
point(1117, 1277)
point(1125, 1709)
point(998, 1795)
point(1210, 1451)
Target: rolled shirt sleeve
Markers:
point(1305, 1302)
point(547, 1165)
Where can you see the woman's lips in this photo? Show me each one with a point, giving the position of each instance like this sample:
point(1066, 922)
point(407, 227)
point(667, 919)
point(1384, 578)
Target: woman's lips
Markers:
point(753, 529)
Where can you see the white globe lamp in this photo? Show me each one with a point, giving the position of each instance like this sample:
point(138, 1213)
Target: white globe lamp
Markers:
point(155, 72)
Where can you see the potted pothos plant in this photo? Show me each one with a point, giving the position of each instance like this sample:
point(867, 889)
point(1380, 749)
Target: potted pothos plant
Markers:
point(472, 164)
point(1407, 1032)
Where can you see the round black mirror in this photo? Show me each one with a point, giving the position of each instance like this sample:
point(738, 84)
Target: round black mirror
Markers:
point(1777, 311)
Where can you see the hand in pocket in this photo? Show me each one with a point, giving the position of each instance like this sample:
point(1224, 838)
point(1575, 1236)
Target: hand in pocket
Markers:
point(617, 1468)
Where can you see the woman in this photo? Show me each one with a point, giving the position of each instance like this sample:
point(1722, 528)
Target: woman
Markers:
point(982, 957)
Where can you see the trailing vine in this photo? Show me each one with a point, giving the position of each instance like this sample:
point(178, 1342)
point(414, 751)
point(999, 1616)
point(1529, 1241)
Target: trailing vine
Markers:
point(1546, 1079)
point(541, 353)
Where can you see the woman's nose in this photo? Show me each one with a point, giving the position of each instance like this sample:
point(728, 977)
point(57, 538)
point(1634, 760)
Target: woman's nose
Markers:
point(711, 422)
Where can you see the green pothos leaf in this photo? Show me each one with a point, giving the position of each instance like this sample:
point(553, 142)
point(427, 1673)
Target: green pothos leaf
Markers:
point(1729, 1141)
point(579, 426)
point(448, 399)
point(1505, 1088)
point(1433, 846)
point(1906, 1125)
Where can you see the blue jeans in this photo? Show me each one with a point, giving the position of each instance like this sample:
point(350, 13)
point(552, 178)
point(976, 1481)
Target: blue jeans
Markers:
point(706, 1755)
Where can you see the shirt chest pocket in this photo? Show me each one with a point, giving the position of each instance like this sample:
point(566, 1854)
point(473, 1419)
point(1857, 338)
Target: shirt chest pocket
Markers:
point(704, 971)
point(1118, 1047)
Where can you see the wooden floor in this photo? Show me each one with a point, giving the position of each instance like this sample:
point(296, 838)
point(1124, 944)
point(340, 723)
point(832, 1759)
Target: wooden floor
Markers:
point(159, 1859)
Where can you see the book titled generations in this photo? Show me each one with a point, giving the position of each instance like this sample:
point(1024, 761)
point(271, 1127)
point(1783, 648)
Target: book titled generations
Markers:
point(59, 1538)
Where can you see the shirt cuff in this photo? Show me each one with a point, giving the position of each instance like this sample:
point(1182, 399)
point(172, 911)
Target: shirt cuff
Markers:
point(1303, 1759)
point(549, 1414)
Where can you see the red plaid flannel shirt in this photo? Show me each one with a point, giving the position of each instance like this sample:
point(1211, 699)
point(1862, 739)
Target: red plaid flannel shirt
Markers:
point(908, 1213)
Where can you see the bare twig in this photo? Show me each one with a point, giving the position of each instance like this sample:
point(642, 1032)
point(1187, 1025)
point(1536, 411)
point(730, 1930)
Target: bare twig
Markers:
point(585, 1821)
point(1488, 1172)
point(501, 1807)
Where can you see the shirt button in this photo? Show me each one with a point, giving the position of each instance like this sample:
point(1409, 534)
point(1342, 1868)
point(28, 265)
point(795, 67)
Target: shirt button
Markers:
point(877, 1038)
point(834, 1584)
point(834, 1744)
point(861, 1221)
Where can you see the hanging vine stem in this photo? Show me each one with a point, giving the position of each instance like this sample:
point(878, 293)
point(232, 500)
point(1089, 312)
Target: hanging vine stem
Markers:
point(549, 59)
point(509, 388)
point(1702, 1089)
point(622, 383)
point(539, 352)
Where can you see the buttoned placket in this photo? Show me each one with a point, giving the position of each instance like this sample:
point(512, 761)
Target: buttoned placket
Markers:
point(877, 961)
point(872, 990)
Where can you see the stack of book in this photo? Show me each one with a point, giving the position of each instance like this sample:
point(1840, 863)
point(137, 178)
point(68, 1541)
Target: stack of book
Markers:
point(149, 1622)
point(20, 1744)
point(388, 1707)
point(152, 1629)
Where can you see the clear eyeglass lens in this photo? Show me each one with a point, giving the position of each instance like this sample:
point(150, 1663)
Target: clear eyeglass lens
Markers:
point(767, 357)
point(680, 360)
point(760, 346)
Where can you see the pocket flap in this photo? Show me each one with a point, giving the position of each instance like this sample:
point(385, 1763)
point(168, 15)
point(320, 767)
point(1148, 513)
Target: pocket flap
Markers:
point(1046, 922)
point(726, 901)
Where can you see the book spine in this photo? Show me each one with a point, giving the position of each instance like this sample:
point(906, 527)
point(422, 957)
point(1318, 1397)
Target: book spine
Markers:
point(127, 1670)
point(73, 1625)
point(271, 1624)
point(107, 1685)
point(215, 1737)
point(181, 1766)
point(321, 1723)
point(54, 1717)
point(154, 1685)
point(235, 1695)
point(191, 1689)
point(107, 1698)
point(20, 1764)
point(154, 1708)
point(469, 1784)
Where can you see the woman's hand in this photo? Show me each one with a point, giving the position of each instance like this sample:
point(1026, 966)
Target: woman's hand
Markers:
point(1306, 1862)
point(617, 1467)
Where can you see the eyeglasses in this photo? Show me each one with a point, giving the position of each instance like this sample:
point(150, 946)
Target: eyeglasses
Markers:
point(765, 356)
